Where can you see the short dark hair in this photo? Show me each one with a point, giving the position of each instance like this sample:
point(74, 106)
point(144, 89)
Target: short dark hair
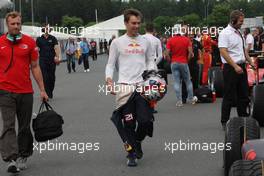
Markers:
point(247, 30)
point(149, 27)
point(131, 12)
point(235, 15)
point(13, 14)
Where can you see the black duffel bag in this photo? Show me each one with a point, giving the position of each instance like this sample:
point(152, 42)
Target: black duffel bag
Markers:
point(204, 94)
point(48, 124)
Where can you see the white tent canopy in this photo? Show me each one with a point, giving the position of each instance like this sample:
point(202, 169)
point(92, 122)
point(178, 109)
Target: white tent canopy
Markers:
point(105, 29)
point(5, 4)
point(35, 32)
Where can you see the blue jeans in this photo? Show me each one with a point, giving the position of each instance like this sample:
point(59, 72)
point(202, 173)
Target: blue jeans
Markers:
point(70, 63)
point(181, 72)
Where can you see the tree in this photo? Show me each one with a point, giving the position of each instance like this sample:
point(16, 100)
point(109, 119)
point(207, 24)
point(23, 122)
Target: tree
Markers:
point(220, 15)
point(70, 22)
point(90, 24)
point(162, 22)
point(192, 19)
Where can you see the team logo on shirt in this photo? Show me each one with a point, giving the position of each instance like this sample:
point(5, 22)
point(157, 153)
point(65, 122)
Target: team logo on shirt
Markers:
point(134, 48)
point(23, 46)
point(134, 44)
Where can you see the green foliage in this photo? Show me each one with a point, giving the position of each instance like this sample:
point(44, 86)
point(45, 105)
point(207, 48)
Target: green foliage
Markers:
point(193, 19)
point(90, 24)
point(220, 15)
point(69, 22)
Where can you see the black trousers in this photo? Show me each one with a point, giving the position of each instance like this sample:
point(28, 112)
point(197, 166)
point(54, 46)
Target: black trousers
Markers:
point(48, 70)
point(16, 105)
point(70, 63)
point(236, 92)
point(85, 59)
point(194, 72)
point(94, 54)
point(138, 120)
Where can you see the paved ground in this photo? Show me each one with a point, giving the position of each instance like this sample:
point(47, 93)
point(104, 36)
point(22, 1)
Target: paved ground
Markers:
point(87, 112)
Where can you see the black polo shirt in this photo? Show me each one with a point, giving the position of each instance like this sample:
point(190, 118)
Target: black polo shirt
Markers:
point(46, 47)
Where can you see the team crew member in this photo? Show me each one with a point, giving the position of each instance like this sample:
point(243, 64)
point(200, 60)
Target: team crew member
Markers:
point(18, 54)
point(156, 49)
point(85, 54)
point(249, 39)
point(207, 56)
point(49, 56)
point(234, 56)
point(93, 45)
point(132, 54)
point(193, 63)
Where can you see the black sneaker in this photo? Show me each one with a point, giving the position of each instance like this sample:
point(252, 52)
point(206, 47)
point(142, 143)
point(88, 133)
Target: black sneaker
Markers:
point(12, 167)
point(138, 150)
point(131, 160)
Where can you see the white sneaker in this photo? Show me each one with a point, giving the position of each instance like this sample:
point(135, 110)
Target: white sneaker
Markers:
point(193, 101)
point(88, 70)
point(179, 104)
point(22, 163)
point(85, 71)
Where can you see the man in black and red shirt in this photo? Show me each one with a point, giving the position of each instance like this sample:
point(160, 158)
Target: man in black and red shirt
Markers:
point(93, 49)
point(18, 54)
point(49, 57)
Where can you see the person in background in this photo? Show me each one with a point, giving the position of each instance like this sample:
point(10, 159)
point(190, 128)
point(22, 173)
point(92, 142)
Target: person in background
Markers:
point(156, 49)
point(105, 46)
point(101, 46)
point(110, 41)
point(249, 40)
point(207, 56)
point(180, 47)
point(109, 44)
point(93, 46)
point(85, 54)
point(193, 62)
point(78, 53)
point(71, 49)
point(49, 57)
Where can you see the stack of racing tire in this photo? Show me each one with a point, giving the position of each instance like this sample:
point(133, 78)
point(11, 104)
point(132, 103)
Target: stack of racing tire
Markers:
point(246, 157)
point(238, 131)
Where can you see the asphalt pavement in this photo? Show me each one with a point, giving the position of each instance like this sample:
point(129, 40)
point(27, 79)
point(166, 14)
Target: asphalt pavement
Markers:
point(92, 146)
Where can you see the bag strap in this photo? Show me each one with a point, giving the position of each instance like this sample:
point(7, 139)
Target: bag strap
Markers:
point(47, 106)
